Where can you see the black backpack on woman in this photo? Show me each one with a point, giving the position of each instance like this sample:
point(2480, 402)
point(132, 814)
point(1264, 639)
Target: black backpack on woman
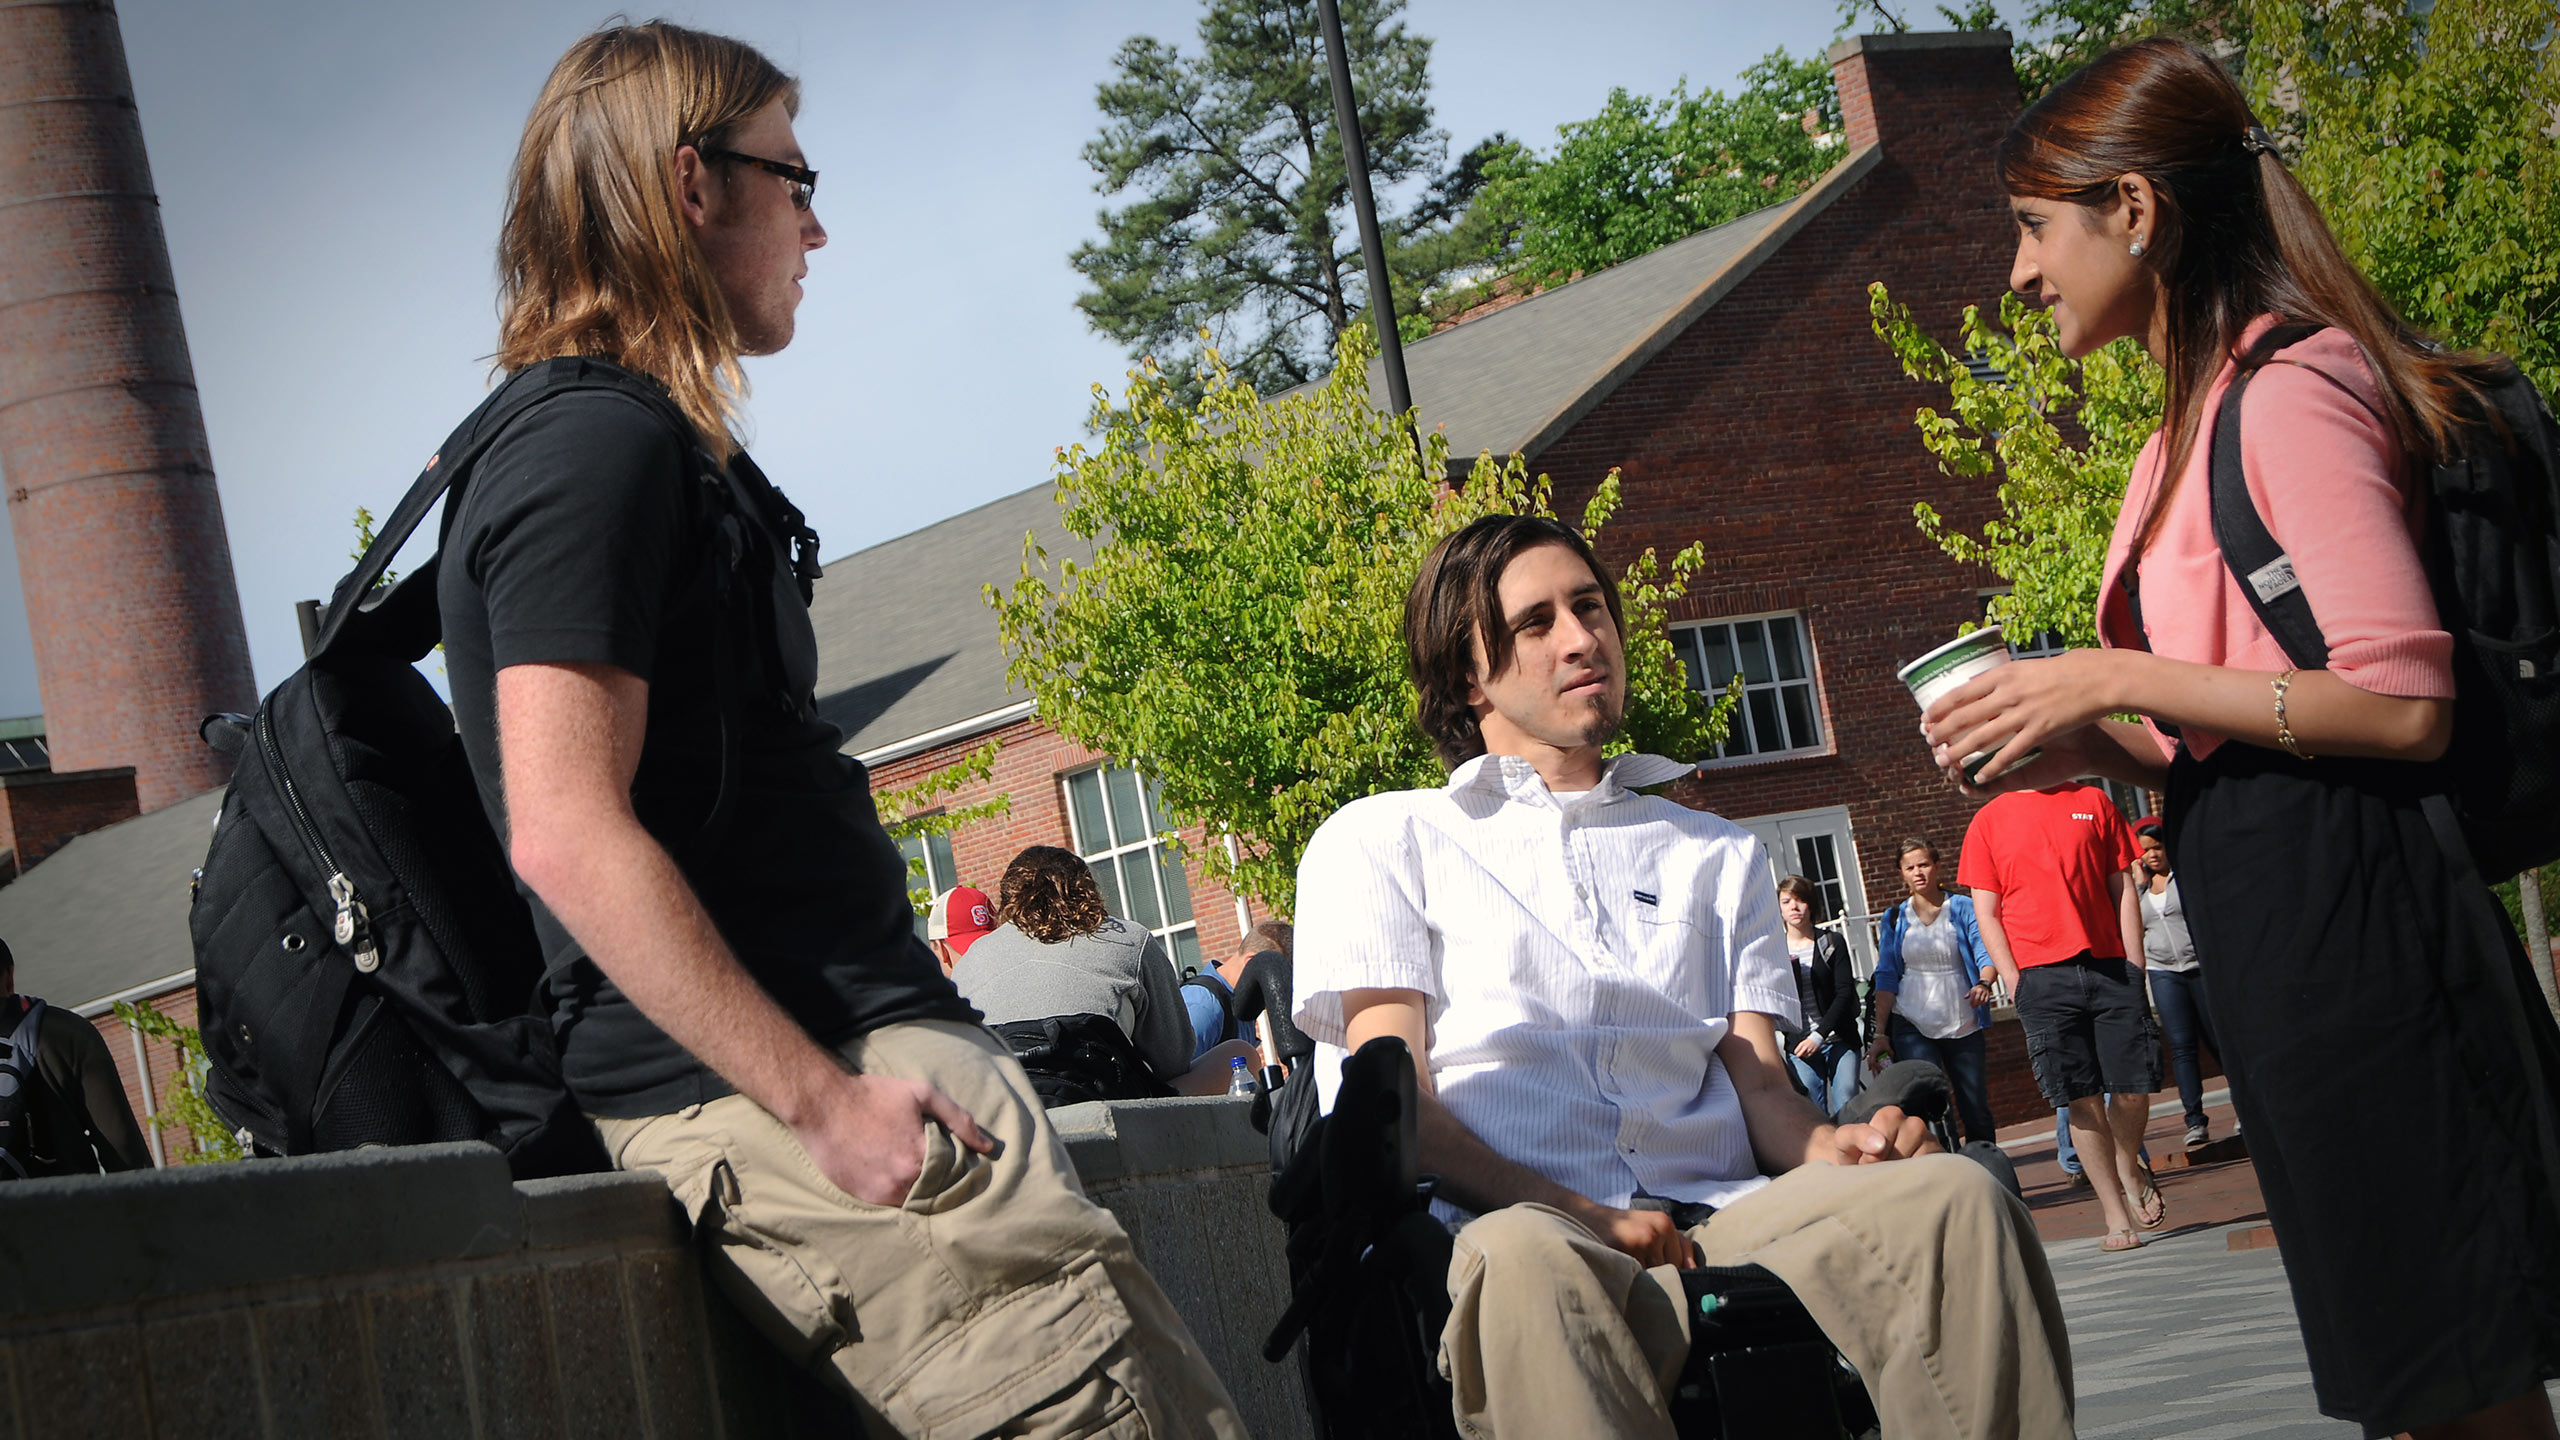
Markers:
point(2492, 552)
point(366, 971)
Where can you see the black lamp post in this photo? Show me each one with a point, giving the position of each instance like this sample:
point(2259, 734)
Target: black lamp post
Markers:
point(1364, 204)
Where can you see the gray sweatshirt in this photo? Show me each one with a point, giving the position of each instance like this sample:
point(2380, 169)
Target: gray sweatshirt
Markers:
point(1119, 970)
point(2165, 943)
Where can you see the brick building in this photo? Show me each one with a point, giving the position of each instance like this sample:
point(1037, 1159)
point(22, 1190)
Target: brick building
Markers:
point(1735, 382)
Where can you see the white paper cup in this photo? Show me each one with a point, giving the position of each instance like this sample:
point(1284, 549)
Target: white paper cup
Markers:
point(1951, 665)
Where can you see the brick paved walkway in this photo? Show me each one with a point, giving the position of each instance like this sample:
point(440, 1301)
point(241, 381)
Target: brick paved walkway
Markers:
point(2199, 1196)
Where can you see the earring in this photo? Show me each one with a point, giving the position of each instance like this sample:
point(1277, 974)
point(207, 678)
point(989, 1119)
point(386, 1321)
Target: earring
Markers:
point(2135, 249)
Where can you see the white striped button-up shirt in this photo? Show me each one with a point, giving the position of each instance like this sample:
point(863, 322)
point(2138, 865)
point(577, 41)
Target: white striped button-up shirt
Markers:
point(1581, 956)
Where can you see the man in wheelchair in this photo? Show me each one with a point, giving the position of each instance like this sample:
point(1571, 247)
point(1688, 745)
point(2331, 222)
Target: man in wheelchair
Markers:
point(1590, 979)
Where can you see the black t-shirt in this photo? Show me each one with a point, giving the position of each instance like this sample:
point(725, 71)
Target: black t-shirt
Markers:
point(582, 536)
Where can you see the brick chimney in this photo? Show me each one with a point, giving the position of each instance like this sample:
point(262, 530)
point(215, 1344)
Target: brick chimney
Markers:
point(1930, 98)
point(121, 548)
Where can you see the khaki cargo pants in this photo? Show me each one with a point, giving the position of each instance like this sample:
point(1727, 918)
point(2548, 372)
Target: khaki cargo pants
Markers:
point(1925, 1273)
point(997, 1300)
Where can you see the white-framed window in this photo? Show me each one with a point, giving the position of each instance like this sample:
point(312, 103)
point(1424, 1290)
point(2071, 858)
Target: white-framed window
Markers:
point(1781, 708)
point(1820, 846)
point(934, 853)
point(1115, 814)
point(2038, 645)
point(2025, 647)
point(2133, 800)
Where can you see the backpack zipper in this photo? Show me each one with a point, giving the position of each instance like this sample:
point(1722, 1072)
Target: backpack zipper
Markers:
point(353, 926)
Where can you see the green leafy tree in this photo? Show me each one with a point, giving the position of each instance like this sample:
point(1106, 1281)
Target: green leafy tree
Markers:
point(916, 812)
point(1239, 638)
point(2428, 133)
point(2060, 36)
point(2062, 436)
point(187, 1109)
point(1239, 222)
point(1979, 15)
point(1645, 172)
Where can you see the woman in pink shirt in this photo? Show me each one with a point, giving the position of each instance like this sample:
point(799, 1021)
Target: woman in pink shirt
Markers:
point(2391, 1112)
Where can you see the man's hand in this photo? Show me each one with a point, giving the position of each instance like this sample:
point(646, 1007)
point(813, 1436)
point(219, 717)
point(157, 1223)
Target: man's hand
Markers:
point(1649, 1235)
point(1889, 1135)
point(1878, 1050)
point(1808, 1047)
point(868, 1136)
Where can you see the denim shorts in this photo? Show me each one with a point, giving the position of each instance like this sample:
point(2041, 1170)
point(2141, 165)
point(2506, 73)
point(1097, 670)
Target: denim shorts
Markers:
point(2089, 1029)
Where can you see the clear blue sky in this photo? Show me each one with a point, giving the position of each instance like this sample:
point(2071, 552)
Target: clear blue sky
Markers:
point(330, 177)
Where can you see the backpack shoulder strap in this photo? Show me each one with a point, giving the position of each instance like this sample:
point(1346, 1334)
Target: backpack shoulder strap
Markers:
point(450, 468)
point(23, 1040)
point(2262, 567)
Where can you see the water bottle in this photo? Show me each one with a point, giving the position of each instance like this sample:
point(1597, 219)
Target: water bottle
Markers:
point(1240, 1079)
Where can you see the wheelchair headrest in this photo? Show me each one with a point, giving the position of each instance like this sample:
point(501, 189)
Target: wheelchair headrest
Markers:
point(1265, 989)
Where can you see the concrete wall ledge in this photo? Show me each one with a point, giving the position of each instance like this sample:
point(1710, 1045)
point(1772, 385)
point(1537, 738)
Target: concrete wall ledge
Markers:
point(1126, 1140)
point(417, 1291)
point(84, 1241)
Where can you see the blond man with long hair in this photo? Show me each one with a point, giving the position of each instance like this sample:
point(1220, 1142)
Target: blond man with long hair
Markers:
point(735, 981)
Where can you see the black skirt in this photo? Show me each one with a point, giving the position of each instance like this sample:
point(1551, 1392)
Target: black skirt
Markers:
point(2397, 1080)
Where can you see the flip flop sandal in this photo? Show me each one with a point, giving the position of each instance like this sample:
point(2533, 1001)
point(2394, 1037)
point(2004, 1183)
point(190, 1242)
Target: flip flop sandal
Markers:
point(2120, 1240)
point(2151, 1208)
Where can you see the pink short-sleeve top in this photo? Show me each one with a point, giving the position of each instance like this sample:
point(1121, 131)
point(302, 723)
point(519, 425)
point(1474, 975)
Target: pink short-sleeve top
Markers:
point(2326, 472)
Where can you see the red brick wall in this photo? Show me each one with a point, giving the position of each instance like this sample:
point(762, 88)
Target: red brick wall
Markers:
point(1778, 430)
point(41, 811)
point(1029, 768)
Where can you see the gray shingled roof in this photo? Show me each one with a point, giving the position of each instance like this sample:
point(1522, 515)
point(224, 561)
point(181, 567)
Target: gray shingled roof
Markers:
point(108, 912)
point(906, 643)
point(1517, 379)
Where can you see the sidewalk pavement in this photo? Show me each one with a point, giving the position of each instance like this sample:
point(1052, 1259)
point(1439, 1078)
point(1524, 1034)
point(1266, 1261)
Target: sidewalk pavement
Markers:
point(2199, 1196)
point(2186, 1339)
point(2192, 1337)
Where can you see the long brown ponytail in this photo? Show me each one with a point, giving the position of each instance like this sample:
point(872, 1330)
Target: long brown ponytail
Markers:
point(2237, 237)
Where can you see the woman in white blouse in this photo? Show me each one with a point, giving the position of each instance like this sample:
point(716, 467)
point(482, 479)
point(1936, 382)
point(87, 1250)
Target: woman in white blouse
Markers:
point(1933, 987)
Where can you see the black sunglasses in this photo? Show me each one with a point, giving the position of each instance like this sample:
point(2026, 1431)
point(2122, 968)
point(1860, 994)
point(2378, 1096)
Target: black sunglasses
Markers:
point(803, 181)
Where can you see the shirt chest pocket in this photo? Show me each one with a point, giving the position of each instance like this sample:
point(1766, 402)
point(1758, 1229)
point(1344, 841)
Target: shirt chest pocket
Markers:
point(1666, 924)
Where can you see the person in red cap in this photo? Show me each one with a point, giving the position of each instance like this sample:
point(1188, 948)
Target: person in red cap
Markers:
point(956, 919)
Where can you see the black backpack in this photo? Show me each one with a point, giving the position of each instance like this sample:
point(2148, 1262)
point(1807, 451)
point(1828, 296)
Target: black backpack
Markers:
point(18, 1083)
point(1071, 1059)
point(2492, 552)
point(367, 973)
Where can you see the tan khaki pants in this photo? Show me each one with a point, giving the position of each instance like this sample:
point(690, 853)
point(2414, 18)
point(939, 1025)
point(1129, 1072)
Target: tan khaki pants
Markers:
point(1925, 1273)
point(996, 1300)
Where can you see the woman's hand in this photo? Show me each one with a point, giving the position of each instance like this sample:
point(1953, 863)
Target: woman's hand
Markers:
point(1808, 1047)
point(1978, 995)
point(2019, 707)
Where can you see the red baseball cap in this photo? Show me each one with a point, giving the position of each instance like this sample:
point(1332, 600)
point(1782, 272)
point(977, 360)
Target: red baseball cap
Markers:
point(960, 915)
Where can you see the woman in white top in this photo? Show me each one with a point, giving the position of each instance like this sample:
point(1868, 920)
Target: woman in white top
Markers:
point(1933, 987)
point(2177, 986)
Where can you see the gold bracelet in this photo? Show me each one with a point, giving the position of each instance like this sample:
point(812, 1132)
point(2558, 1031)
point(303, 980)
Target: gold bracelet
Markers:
point(2284, 732)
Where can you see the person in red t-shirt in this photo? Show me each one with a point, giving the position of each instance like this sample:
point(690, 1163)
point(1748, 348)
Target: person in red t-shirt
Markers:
point(2049, 874)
